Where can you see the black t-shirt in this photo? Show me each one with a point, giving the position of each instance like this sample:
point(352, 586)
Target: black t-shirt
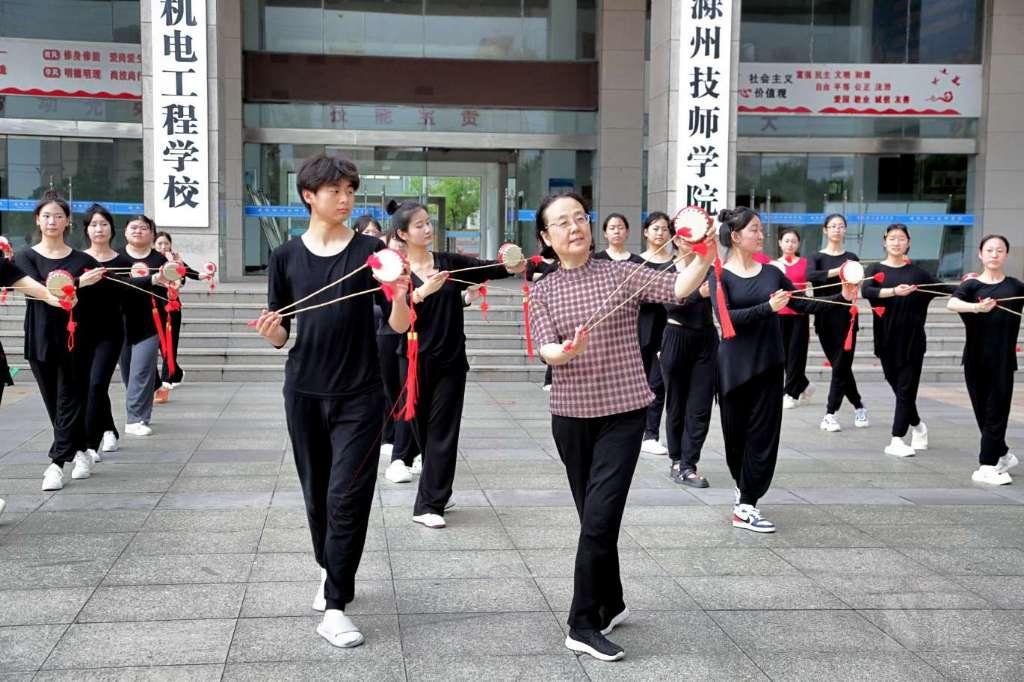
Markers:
point(46, 335)
point(992, 336)
point(103, 302)
point(693, 313)
point(439, 318)
point(335, 354)
point(137, 305)
point(9, 272)
point(899, 333)
point(835, 321)
point(757, 346)
point(651, 321)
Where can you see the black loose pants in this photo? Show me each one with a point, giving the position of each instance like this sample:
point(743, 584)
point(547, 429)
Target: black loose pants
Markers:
point(600, 455)
point(652, 369)
point(99, 416)
point(831, 330)
point(336, 444)
point(904, 379)
point(751, 427)
point(991, 392)
point(63, 384)
point(796, 336)
point(688, 361)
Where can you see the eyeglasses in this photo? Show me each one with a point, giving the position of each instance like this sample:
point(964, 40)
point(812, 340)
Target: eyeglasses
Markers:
point(580, 219)
point(55, 216)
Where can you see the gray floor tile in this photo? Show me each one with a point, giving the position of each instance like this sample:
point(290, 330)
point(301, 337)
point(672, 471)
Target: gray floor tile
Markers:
point(96, 645)
point(358, 670)
point(169, 673)
point(772, 632)
point(414, 536)
point(645, 593)
point(854, 561)
point(63, 547)
point(499, 668)
point(481, 634)
point(709, 561)
point(557, 563)
point(982, 666)
point(117, 521)
point(1005, 591)
point(759, 593)
point(195, 542)
point(913, 591)
point(38, 607)
point(71, 501)
point(302, 567)
point(278, 599)
point(458, 564)
point(25, 647)
point(468, 595)
point(646, 665)
point(969, 630)
point(28, 574)
point(257, 500)
point(207, 521)
point(296, 639)
point(975, 561)
point(863, 665)
point(137, 569)
point(163, 602)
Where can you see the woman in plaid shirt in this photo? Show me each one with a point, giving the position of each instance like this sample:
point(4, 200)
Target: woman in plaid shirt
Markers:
point(599, 397)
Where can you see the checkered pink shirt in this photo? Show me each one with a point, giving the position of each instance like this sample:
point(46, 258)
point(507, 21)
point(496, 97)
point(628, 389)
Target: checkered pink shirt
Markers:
point(608, 378)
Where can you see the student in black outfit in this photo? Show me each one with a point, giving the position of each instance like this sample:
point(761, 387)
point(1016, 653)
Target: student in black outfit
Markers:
point(142, 341)
point(333, 397)
point(62, 373)
point(750, 365)
point(689, 357)
point(104, 310)
point(169, 380)
point(441, 378)
point(990, 358)
point(900, 341)
point(616, 232)
point(12, 276)
point(832, 326)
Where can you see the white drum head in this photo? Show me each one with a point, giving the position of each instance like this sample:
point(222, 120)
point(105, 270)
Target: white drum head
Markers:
point(510, 255)
point(389, 266)
point(58, 283)
point(140, 269)
point(851, 272)
point(691, 223)
point(171, 271)
point(210, 268)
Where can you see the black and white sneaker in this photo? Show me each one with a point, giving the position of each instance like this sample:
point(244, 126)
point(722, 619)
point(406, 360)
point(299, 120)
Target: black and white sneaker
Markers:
point(620, 618)
point(593, 643)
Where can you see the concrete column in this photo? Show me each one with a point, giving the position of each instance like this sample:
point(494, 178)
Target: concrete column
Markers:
point(669, 18)
point(617, 169)
point(999, 167)
point(221, 240)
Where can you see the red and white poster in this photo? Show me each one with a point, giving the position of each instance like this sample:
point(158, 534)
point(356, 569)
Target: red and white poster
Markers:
point(860, 89)
point(59, 68)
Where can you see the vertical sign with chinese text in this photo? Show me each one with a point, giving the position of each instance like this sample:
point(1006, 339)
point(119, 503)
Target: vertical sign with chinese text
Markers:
point(705, 63)
point(179, 106)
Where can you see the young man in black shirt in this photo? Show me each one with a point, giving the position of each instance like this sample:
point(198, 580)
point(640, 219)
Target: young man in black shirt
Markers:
point(333, 392)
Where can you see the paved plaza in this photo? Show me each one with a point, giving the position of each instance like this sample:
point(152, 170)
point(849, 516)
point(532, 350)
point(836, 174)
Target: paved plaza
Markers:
point(186, 556)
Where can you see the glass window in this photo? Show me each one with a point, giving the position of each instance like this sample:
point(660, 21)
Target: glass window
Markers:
point(70, 109)
point(452, 29)
point(855, 126)
point(101, 170)
point(890, 186)
point(107, 21)
point(862, 31)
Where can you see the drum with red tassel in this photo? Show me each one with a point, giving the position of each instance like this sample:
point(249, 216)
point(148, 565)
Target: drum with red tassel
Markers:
point(692, 224)
point(61, 284)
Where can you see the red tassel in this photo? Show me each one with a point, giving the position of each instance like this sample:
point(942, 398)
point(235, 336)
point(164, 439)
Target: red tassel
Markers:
point(389, 293)
point(568, 346)
point(879, 277)
point(526, 317)
point(728, 331)
point(827, 363)
point(169, 339)
point(878, 310)
point(848, 343)
point(700, 248)
point(684, 232)
point(412, 354)
point(536, 260)
point(484, 306)
point(72, 325)
point(159, 328)
point(373, 261)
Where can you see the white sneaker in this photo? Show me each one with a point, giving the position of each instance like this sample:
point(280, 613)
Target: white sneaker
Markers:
point(339, 630)
point(320, 601)
point(830, 423)
point(430, 520)
point(737, 496)
point(138, 429)
point(95, 456)
point(53, 477)
point(3, 505)
point(897, 448)
point(417, 465)
point(789, 402)
point(546, 387)
point(1007, 462)
point(919, 437)
point(397, 472)
point(109, 442)
point(386, 449)
point(653, 447)
point(991, 475)
point(860, 418)
point(173, 386)
point(83, 466)
point(167, 385)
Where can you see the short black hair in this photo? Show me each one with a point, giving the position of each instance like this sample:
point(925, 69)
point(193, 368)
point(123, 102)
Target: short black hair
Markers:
point(321, 170)
point(163, 234)
point(364, 221)
point(829, 218)
point(97, 210)
point(1004, 240)
point(52, 196)
point(653, 217)
point(898, 226)
point(542, 226)
point(790, 230)
point(145, 219)
point(610, 217)
point(733, 220)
